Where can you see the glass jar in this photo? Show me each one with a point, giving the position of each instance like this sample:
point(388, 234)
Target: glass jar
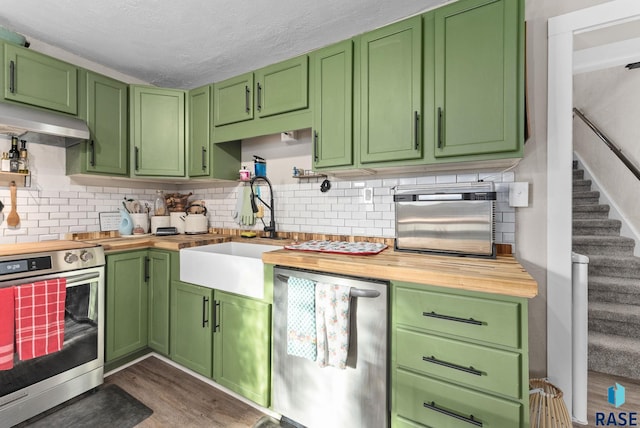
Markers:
point(160, 205)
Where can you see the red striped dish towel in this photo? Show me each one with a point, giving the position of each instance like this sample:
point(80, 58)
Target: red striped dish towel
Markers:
point(40, 317)
point(6, 328)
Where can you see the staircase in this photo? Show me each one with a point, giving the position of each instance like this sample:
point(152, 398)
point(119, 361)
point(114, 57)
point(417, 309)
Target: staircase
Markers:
point(614, 283)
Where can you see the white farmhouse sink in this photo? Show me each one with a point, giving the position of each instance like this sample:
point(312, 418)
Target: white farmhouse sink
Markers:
point(231, 266)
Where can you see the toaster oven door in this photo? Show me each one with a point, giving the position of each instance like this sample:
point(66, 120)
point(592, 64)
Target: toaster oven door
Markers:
point(461, 227)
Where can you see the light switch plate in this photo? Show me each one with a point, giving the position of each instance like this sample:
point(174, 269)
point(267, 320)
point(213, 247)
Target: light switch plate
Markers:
point(519, 194)
point(367, 195)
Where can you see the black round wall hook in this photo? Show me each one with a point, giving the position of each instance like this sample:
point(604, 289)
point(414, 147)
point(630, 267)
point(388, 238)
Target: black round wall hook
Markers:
point(325, 186)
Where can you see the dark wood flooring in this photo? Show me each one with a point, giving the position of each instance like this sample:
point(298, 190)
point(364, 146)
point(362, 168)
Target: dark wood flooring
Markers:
point(598, 385)
point(179, 399)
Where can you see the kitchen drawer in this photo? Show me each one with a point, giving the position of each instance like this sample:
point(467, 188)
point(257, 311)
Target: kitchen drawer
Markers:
point(440, 404)
point(473, 365)
point(487, 320)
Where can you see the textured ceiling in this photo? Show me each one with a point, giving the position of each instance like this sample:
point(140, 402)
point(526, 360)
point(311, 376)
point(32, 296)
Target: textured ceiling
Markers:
point(188, 43)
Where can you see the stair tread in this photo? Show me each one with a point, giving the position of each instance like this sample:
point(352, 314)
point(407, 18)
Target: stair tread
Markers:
point(603, 239)
point(592, 207)
point(586, 194)
point(614, 260)
point(616, 310)
point(623, 343)
point(596, 222)
point(612, 281)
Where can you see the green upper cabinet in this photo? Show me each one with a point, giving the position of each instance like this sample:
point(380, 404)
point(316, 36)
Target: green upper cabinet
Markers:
point(242, 346)
point(191, 326)
point(333, 106)
point(390, 91)
point(126, 304)
point(157, 128)
point(282, 87)
point(158, 269)
point(233, 100)
point(39, 80)
point(103, 104)
point(478, 78)
point(199, 111)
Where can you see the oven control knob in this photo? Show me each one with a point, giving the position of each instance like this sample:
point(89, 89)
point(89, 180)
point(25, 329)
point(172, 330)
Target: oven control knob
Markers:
point(70, 258)
point(85, 256)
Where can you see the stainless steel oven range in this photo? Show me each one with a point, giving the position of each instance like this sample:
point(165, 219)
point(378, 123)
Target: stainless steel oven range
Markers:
point(36, 385)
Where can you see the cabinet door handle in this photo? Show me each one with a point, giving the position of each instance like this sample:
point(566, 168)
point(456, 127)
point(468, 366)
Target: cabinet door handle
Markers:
point(315, 146)
point(450, 318)
point(12, 77)
point(205, 317)
point(416, 129)
point(146, 269)
point(247, 98)
point(434, 360)
point(216, 312)
point(92, 148)
point(204, 158)
point(135, 158)
point(470, 420)
point(259, 106)
point(439, 127)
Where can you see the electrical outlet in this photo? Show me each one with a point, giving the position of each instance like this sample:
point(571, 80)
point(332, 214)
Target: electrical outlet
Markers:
point(367, 195)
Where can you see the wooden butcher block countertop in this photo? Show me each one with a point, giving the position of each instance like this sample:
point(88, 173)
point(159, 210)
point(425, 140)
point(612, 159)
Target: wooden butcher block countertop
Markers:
point(40, 247)
point(503, 275)
point(171, 242)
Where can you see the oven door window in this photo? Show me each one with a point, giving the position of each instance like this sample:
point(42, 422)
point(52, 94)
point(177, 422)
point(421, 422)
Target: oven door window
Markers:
point(80, 341)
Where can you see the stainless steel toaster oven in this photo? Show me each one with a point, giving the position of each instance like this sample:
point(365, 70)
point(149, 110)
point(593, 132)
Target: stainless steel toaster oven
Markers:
point(453, 219)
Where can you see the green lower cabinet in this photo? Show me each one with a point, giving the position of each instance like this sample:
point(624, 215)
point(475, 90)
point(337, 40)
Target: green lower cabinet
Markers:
point(458, 358)
point(158, 269)
point(242, 346)
point(441, 404)
point(126, 304)
point(192, 326)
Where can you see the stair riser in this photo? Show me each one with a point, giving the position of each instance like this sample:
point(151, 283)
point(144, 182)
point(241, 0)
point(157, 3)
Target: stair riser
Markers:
point(583, 215)
point(614, 271)
point(609, 296)
point(596, 231)
point(620, 363)
point(603, 250)
point(581, 187)
point(618, 328)
point(591, 200)
point(578, 174)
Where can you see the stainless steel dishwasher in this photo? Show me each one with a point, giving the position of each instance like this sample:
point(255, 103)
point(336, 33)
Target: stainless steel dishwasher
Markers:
point(357, 396)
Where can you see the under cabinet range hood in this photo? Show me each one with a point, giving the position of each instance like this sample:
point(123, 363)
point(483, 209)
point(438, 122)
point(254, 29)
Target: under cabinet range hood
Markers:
point(41, 126)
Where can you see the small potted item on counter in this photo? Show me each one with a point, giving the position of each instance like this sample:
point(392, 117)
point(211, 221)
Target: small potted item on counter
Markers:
point(245, 174)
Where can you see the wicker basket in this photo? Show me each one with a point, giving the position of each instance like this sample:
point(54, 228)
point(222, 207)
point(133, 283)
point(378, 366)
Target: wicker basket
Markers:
point(546, 406)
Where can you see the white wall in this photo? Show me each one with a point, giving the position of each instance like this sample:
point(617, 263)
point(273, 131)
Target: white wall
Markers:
point(609, 98)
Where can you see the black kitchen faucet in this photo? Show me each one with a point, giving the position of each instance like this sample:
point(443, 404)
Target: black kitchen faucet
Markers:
point(271, 229)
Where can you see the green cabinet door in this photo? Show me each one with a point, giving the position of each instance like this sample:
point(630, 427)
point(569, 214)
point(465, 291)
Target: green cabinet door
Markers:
point(39, 80)
point(282, 87)
point(477, 78)
point(191, 332)
point(199, 111)
point(233, 100)
point(242, 346)
point(157, 127)
point(103, 104)
point(390, 92)
point(126, 304)
point(333, 105)
point(159, 282)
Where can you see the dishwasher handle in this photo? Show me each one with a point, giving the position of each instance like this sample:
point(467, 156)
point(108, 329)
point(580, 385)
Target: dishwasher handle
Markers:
point(354, 292)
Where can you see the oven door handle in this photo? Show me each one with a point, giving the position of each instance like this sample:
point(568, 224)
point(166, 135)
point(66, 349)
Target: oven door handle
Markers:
point(82, 278)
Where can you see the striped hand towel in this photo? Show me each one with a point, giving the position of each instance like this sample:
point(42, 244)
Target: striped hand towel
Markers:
point(6, 328)
point(39, 310)
point(301, 318)
point(332, 324)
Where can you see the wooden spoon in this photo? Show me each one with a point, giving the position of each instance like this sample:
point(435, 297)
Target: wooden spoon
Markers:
point(13, 219)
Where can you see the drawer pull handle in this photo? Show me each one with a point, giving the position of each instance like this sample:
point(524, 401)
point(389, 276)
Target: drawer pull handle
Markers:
point(469, 369)
point(450, 318)
point(470, 420)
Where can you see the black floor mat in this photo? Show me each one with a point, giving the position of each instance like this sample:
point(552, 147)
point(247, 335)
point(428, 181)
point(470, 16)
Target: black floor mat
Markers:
point(108, 406)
